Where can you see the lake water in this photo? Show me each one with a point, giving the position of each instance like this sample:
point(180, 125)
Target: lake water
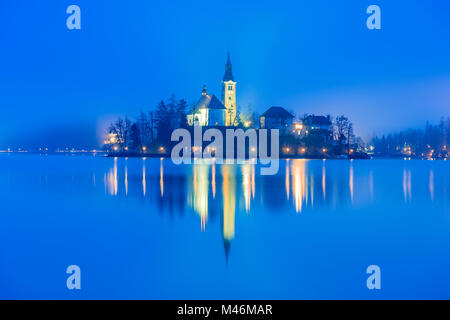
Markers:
point(146, 228)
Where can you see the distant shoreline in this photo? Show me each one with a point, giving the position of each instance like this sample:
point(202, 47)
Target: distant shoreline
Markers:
point(167, 156)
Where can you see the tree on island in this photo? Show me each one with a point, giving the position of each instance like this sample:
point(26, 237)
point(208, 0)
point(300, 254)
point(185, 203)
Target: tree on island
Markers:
point(162, 120)
point(135, 138)
point(343, 133)
point(146, 127)
point(181, 112)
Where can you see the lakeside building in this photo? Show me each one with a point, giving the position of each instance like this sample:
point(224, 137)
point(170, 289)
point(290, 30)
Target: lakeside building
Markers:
point(210, 111)
point(276, 118)
point(318, 126)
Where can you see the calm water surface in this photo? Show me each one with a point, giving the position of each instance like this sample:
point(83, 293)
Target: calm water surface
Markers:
point(145, 228)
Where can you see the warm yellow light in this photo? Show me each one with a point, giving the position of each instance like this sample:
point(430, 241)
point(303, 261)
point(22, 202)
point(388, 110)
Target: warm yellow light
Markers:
point(116, 148)
point(144, 148)
point(299, 126)
point(324, 150)
point(351, 150)
point(126, 148)
point(161, 149)
point(247, 124)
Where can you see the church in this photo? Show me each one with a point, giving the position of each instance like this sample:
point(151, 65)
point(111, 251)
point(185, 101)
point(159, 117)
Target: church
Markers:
point(209, 111)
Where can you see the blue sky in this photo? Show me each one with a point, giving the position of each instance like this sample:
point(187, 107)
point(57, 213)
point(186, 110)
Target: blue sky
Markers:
point(60, 87)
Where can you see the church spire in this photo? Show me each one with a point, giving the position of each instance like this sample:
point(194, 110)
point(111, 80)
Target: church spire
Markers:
point(228, 70)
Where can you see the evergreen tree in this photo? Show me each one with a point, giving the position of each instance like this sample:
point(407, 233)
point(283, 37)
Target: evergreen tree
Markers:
point(144, 129)
point(152, 125)
point(126, 132)
point(135, 138)
point(181, 112)
point(171, 104)
point(162, 120)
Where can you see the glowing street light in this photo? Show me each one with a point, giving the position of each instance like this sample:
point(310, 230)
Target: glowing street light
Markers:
point(144, 148)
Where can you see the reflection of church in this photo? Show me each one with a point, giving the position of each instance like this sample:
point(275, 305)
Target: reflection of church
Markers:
point(229, 206)
point(210, 111)
point(204, 178)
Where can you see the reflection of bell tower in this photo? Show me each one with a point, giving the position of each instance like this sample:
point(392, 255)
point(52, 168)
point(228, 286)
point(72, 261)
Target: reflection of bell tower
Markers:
point(229, 94)
point(229, 205)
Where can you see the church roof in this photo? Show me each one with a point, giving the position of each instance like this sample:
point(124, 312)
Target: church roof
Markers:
point(277, 112)
point(228, 70)
point(209, 101)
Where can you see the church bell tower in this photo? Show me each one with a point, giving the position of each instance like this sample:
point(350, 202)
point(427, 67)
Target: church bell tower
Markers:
point(229, 94)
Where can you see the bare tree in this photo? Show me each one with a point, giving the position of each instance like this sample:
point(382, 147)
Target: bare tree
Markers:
point(343, 132)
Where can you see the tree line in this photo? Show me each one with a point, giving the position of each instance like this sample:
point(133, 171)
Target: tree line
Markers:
point(150, 128)
point(430, 141)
